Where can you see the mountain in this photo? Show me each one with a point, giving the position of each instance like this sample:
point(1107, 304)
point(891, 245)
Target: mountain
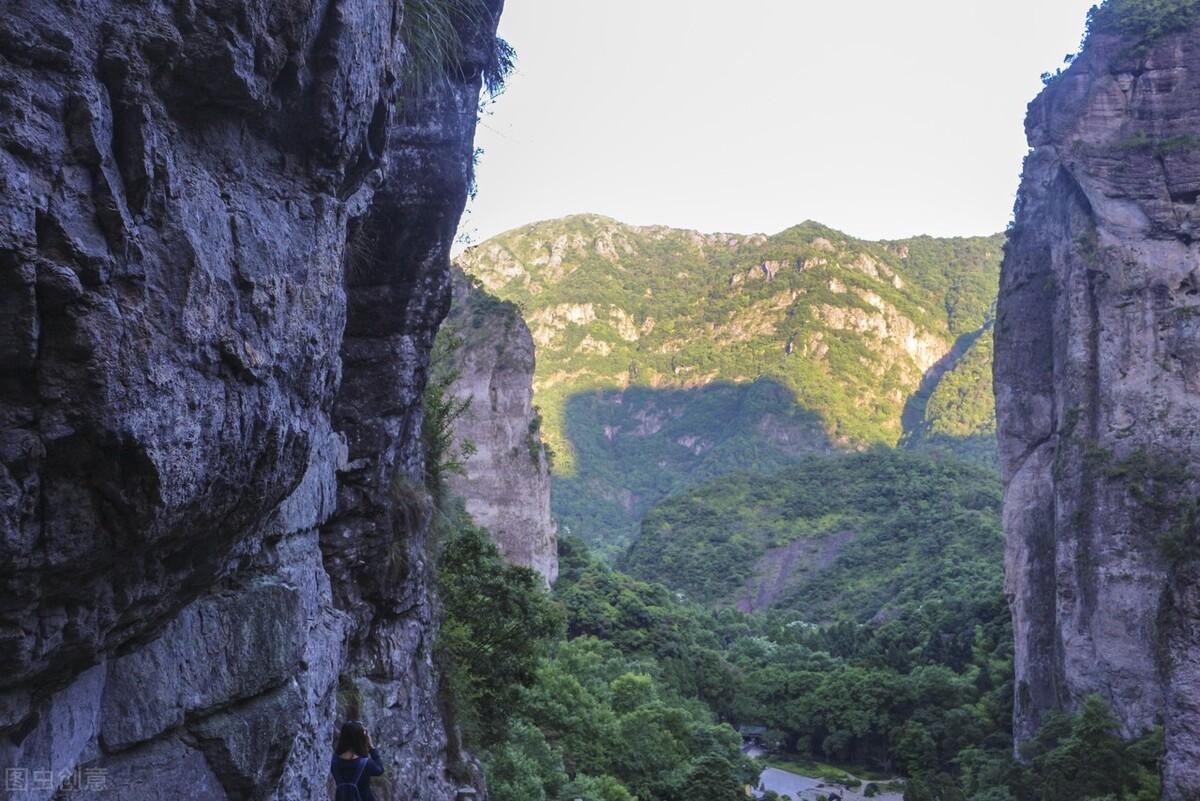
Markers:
point(858, 535)
point(669, 356)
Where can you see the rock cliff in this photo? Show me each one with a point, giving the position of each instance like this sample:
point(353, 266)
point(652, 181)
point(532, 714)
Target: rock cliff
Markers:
point(223, 256)
point(1098, 400)
point(505, 482)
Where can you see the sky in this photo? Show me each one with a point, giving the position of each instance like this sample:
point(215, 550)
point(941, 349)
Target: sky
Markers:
point(882, 118)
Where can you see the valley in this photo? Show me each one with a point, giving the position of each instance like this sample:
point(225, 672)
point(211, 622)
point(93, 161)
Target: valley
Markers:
point(294, 492)
point(825, 572)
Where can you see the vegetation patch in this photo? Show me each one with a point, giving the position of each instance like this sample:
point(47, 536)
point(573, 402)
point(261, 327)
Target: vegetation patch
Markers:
point(349, 698)
point(1181, 541)
point(1142, 142)
point(1141, 21)
point(534, 441)
point(924, 528)
point(1160, 487)
point(443, 455)
point(432, 32)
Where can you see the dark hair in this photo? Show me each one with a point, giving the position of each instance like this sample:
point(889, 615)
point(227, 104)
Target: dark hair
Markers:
point(353, 737)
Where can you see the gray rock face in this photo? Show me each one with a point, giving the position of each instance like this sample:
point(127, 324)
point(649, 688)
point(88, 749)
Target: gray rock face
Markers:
point(506, 479)
point(1098, 396)
point(223, 256)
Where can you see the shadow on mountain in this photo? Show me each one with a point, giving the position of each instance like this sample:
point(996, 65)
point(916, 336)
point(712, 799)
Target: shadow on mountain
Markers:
point(636, 446)
point(980, 449)
point(961, 424)
point(914, 408)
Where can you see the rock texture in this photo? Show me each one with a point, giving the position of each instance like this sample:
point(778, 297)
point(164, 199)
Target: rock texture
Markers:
point(1098, 395)
point(223, 257)
point(505, 484)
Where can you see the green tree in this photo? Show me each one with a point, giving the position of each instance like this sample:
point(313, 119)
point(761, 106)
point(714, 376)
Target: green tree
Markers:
point(498, 621)
point(599, 788)
point(630, 691)
point(524, 767)
point(572, 716)
point(1082, 756)
point(713, 777)
point(915, 750)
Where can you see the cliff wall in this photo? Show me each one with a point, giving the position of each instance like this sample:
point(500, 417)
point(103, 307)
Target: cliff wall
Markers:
point(1098, 392)
point(223, 257)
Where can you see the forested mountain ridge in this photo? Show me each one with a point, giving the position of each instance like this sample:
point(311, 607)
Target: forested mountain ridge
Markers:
point(668, 356)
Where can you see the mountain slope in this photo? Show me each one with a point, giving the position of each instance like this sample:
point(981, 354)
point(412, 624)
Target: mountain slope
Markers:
point(861, 535)
point(651, 340)
point(957, 415)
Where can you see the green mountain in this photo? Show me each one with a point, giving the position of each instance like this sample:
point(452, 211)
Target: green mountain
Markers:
point(666, 357)
point(860, 535)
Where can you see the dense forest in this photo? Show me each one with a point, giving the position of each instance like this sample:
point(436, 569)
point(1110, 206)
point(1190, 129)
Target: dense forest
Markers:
point(610, 689)
point(856, 536)
point(894, 662)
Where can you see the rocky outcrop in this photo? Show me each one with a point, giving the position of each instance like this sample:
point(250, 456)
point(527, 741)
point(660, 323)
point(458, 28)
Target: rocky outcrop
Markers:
point(223, 256)
point(505, 483)
point(1098, 402)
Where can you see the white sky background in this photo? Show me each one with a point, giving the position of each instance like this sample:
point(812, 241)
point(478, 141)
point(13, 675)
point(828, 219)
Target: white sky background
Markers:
point(882, 118)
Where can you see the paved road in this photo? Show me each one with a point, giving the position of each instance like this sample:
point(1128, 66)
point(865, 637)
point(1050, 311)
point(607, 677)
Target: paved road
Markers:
point(806, 788)
point(784, 783)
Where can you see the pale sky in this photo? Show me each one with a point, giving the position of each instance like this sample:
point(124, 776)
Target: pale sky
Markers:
point(883, 118)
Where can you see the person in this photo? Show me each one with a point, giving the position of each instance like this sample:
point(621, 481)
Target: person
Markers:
point(355, 761)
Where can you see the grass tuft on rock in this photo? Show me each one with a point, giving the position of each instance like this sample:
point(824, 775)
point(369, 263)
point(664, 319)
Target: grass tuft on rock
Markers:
point(432, 32)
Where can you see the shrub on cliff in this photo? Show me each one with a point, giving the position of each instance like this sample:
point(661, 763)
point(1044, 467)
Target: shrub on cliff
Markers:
point(1076, 756)
point(1082, 756)
point(440, 411)
point(1142, 21)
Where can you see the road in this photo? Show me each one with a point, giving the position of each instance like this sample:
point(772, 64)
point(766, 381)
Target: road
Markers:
point(806, 788)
